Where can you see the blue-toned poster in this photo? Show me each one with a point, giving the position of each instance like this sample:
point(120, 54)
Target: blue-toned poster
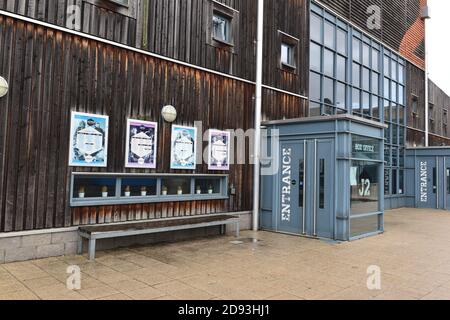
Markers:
point(141, 149)
point(219, 150)
point(184, 148)
point(88, 140)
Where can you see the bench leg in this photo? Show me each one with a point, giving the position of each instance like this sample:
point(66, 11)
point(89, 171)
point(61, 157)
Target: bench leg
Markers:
point(238, 230)
point(80, 245)
point(92, 243)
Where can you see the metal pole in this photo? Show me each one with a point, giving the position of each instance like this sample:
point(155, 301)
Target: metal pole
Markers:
point(427, 108)
point(258, 118)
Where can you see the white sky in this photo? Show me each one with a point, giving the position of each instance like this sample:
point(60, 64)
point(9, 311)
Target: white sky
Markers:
point(438, 34)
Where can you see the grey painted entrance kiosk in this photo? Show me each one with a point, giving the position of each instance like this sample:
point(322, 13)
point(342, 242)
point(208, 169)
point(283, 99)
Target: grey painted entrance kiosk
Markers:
point(428, 178)
point(326, 179)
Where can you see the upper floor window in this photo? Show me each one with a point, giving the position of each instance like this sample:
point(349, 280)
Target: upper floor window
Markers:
point(287, 55)
point(121, 2)
point(221, 28)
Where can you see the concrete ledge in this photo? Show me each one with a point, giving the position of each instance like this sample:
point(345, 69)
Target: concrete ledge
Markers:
point(22, 246)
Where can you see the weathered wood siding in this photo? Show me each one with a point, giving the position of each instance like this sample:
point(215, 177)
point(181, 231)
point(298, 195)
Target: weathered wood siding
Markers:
point(52, 73)
point(99, 18)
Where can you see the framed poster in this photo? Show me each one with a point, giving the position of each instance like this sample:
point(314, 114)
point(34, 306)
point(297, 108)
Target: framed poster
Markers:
point(141, 144)
point(184, 148)
point(219, 150)
point(88, 140)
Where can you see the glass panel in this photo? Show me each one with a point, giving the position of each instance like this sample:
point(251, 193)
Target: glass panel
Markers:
point(434, 180)
point(366, 103)
point(387, 111)
point(356, 74)
point(393, 91)
point(401, 95)
point(387, 182)
point(366, 225)
point(375, 107)
point(341, 41)
point(387, 66)
point(341, 68)
point(394, 182)
point(366, 79)
point(316, 57)
point(328, 91)
point(314, 109)
point(176, 186)
point(365, 148)
point(328, 63)
point(314, 90)
point(93, 187)
point(387, 88)
point(221, 28)
point(448, 180)
point(316, 28)
point(356, 50)
point(322, 184)
point(329, 35)
point(340, 96)
point(387, 156)
point(207, 186)
point(401, 182)
point(364, 187)
point(401, 74)
point(375, 83)
point(138, 187)
point(356, 105)
point(394, 157)
point(394, 70)
point(287, 54)
point(366, 55)
point(375, 60)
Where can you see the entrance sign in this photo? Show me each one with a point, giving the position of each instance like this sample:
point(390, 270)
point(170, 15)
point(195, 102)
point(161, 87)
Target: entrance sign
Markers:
point(88, 140)
point(423, 169)
point(141, 146)
point(219, 150)
point(184, 148)
point(286, 185)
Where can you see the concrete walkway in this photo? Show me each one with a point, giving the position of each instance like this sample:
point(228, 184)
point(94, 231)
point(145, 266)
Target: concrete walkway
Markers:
point(414, 257)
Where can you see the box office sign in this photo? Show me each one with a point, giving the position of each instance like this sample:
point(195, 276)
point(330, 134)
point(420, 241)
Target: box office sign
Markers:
point(219, 150)
point(141, 144)
point(88, 140)
point(184, 148)
point(365, 148)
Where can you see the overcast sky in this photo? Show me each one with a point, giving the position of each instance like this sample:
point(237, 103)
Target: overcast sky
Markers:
point(438, 34)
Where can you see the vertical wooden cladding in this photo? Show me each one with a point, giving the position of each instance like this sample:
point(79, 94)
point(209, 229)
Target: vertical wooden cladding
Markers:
point(441, 102)
point(415, 88)
point(52, 73)
point(292, 18)
point(180, 29)
point(98, 17)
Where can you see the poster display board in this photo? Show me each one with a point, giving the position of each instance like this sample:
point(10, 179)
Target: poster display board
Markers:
point(183, 148)
point(141, 144)
point(88, 140)
point(219, 150)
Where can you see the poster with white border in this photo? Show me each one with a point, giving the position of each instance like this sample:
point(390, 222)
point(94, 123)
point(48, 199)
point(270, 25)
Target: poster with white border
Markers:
point(183, 148)
point(219, 150)
point(88, 140)
point(141, 144)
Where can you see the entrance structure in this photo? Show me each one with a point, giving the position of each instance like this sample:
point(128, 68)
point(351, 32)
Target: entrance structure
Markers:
point(329, 178)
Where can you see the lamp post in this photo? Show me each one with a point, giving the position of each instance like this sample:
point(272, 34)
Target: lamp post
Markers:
point(3, 87)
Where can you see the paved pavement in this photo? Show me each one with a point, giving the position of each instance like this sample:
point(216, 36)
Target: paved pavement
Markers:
point(413, 255)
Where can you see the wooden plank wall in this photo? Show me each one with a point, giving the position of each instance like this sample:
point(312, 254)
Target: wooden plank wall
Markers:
point(99, 18)
point(441, 101)
point(51, 73)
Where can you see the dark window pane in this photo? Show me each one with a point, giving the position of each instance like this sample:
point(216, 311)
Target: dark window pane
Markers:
point(316, 57)
point(316, 28)
point(341, 68)
point(314, 109)
point(364, 187)
point(328, 63)
point(322, 184)
point(314, 84)
point(328, 91)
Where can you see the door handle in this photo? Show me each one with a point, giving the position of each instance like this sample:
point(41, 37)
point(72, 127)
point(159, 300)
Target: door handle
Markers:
point(294, 182)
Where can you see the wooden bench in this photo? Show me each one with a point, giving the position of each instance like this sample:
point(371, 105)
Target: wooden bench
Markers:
point(94, 233)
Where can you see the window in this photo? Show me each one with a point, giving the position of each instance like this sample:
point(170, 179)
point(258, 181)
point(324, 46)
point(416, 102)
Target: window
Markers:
point(121, 2)
point(221, 28)
point(445, 123)
point(287, 55)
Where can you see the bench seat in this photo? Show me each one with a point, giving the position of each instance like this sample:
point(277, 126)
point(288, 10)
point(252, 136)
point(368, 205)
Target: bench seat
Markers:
point(117, 230)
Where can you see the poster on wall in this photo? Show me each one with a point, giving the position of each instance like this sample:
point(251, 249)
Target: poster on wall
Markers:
point(184, 148)
point(141, 144)
point(88, 140)
point(219, 150)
